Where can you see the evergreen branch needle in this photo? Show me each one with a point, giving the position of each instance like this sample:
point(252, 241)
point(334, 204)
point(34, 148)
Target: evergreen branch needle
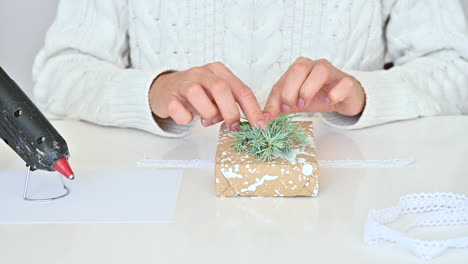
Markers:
point(279, 137)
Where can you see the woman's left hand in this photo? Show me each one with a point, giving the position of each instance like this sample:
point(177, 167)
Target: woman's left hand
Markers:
point(315, 86)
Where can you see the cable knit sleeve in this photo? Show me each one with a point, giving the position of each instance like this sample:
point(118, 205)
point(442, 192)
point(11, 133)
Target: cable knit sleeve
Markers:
point(428, 43)
point(82, 71)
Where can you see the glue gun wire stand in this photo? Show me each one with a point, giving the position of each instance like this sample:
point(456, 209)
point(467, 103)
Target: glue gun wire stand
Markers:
point(28, 132)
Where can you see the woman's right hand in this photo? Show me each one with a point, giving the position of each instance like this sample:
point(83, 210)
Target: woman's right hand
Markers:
point(211, 91)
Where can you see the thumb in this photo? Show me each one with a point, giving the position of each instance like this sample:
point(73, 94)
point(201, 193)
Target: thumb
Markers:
point(272, 106)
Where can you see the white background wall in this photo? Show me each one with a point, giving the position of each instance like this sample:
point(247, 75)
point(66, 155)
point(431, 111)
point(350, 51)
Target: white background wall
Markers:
point(23, 24)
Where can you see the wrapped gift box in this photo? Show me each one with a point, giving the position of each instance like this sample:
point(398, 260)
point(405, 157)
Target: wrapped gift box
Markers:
point(241, 174)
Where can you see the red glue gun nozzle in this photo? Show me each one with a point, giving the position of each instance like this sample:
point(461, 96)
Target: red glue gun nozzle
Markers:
point(63, 167)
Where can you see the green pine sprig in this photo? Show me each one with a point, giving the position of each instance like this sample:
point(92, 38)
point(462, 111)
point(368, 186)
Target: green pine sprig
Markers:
point(279, 138)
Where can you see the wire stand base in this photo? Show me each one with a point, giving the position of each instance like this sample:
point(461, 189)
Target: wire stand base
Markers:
point(29, 199)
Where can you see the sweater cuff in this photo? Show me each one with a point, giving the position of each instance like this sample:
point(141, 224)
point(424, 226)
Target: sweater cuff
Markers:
point(130, 105)
point(388, 98)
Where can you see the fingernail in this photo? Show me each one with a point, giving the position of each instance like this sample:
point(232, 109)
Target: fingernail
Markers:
point(235, 126)
point(285, 108)
point(327, 100)
point(268, 116)
point(206, 123)
point(300, 103)
point(216, 120)
point(262, 124)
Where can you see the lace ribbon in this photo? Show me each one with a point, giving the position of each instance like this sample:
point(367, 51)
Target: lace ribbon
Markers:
point(438, 209)
point(196, 163)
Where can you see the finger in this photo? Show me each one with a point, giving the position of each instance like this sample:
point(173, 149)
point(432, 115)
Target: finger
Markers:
point(272, 106)
point(332, 96)
point(243, 95)
point(207, 123)
point(178, 112)
point(290, 87)
point(344, 100)
point(249, 105)
point(319, 103)
point(221, 92)
point(319, 76)
point(201, 102)
point(187, 105)
point(341, 91)
point(225, 101)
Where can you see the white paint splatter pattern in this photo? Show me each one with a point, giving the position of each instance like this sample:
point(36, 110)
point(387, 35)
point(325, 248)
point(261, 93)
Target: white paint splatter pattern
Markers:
point(259, 182)
point(307, 169)
point(229, 174)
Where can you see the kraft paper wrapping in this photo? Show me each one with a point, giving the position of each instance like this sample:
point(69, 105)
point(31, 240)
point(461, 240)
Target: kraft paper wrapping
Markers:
point(240, 174)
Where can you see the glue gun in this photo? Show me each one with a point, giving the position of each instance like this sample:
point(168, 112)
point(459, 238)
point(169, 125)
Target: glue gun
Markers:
point(28, 132)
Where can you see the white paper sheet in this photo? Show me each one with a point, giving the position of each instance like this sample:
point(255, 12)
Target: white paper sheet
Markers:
point(139, 195)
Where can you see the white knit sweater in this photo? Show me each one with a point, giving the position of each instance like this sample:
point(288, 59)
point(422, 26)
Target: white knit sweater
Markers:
point(100, 57)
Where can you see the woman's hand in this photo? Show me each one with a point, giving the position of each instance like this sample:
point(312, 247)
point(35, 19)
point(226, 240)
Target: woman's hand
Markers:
point(315, 86)
point(211, 91)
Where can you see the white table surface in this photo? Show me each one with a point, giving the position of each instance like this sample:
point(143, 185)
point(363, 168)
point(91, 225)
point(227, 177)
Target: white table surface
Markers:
point(207, 229)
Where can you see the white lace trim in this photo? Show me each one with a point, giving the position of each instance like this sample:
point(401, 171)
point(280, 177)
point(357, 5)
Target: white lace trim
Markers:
point(390, 163)
point(196, 163)
point(176, 164)
point(439, 209)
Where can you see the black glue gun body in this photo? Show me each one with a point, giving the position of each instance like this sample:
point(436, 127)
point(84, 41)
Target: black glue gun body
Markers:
point(27, 131)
